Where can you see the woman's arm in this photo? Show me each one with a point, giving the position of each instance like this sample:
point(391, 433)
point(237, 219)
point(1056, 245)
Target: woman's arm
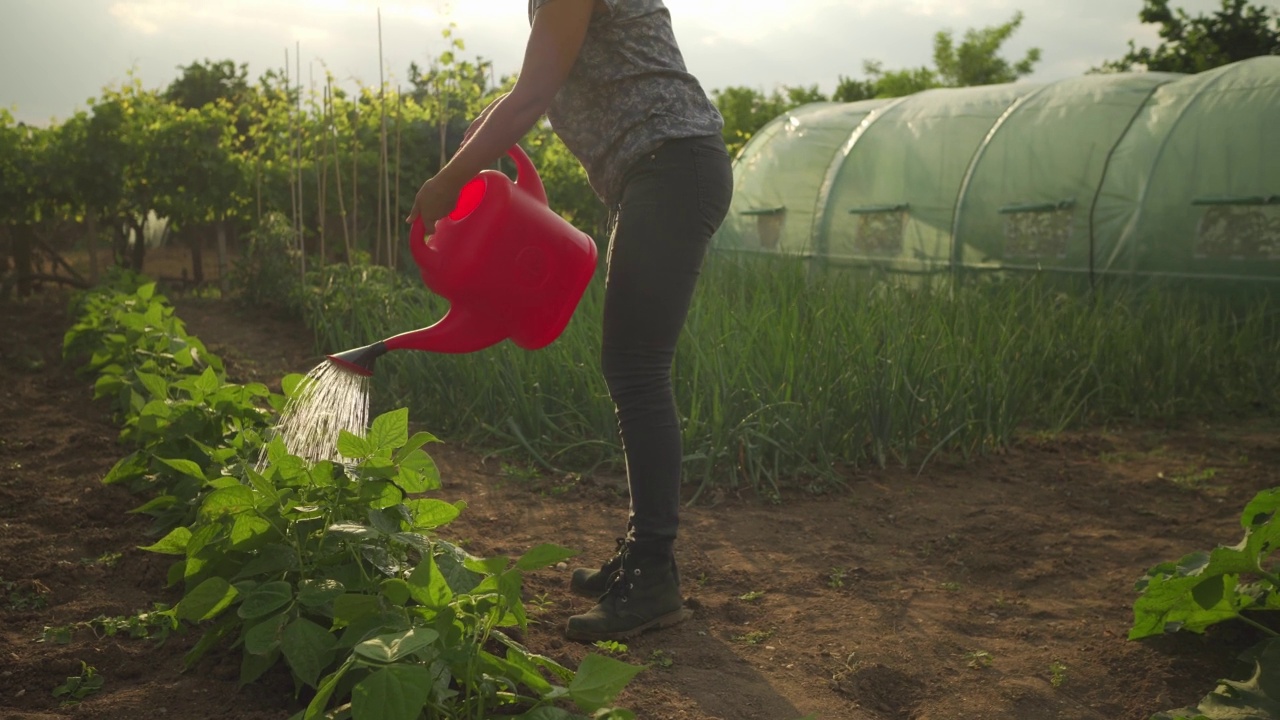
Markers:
point(559, 28)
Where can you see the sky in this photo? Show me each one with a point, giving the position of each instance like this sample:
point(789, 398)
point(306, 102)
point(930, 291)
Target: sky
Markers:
point(55, 55)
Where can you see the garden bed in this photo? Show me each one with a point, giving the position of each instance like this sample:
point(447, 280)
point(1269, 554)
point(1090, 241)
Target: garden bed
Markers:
point(1000, 588)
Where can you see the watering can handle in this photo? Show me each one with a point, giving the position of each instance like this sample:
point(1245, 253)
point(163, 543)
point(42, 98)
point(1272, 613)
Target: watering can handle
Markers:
point(526, 175)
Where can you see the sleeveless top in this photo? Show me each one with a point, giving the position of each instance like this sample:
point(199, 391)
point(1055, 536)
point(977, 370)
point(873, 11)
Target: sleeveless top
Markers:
point(628, 92)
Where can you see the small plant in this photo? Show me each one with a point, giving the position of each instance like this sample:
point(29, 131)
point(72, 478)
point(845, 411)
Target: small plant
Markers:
point(79, 687)
point(527, 473)
point(612, 647)
point(755, 637)
point(542, 601)
point(979, 659)
point(107, 559)
point(23, 597)
point(1057, 673)
point(1191, 480)
point(751, 596)
point(950, 586)
point(661, 658)
point(835, 580)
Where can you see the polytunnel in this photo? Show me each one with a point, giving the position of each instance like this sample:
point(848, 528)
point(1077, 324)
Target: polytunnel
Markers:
point(1151, 174)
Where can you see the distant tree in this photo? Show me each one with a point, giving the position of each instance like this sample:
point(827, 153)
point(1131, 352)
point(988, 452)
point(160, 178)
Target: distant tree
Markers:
point(1238, 31)
point(202, 83)
point(975, 60)
point(746, 110)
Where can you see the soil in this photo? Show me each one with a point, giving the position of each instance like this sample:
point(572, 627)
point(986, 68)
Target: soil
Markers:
point(999, 587)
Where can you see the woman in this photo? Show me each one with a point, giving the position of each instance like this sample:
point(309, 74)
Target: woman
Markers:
point(611, 79)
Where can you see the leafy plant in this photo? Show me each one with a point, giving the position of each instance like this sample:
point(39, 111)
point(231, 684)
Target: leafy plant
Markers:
point(1227, 583)
point(333, 571)
point(79, 687)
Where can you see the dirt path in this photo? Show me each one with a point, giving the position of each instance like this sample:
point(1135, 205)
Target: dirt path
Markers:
point(997, 589)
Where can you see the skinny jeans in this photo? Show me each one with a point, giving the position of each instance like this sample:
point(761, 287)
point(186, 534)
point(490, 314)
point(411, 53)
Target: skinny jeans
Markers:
point(673, 200)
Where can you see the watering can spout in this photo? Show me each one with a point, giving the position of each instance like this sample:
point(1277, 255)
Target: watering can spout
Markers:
point(459, 331)
point(360, 360)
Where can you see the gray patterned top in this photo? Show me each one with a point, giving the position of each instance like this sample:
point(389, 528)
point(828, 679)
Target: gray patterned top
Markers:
point(627, 93)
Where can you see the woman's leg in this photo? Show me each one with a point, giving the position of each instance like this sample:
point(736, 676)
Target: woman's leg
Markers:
point(673, 202)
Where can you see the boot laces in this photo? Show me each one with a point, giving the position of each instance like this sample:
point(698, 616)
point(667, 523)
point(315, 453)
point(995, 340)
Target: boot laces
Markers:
point(622, 581)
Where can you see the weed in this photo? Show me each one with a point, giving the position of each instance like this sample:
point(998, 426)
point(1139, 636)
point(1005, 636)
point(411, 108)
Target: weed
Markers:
point(542, 601)
point(979, 659)
point(661, 658)
point(950, 586)
point(525, 472)
point(1191, 480)
point(1058, 673)
point(751, 596)
point(107, 559)
point(755, 637)
point(611, 647)
point(79, 687)
point(835, 580)
point(23, 597)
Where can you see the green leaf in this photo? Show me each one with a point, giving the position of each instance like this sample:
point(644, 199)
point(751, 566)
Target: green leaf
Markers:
point(397, 692)
point(429, 513)
point(350, 608)
point(413, 444)
point(317, 593)
point(316, 708)
point(208, 382)
point(155, 385)
point(175, 543)
point(599, 680)
point(186, 467)
point(269, 560)
point(130, 467)
point(308, 648)
point(247, 529)
point(253, 666)
point(291, 382)
point(227, 501)
point(206, 600)
point(395, 590)
point(265, 599)
point(1252, 699)
point(265, 636)
point(389, 431)
point(547, 712)
point(353, 446)
point(394, 647)
point(380, 494)
point(428, 585)
point(544, 556)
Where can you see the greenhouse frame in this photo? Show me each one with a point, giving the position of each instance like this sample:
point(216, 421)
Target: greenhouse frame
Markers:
point(1129, 174)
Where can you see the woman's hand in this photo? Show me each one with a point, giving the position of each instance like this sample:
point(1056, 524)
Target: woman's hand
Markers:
point(435, 199)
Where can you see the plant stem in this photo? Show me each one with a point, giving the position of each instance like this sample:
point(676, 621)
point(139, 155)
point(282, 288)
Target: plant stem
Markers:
point(1266, 630)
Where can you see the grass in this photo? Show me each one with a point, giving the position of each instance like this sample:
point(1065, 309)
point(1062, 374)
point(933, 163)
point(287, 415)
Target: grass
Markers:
point(782, 374)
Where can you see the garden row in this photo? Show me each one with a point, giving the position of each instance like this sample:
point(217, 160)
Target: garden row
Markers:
point(328, 574)
point(784, 374)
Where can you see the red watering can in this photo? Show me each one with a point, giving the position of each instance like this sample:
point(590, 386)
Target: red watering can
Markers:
point(509, 266)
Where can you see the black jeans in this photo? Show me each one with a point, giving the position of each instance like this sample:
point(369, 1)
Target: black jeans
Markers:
point(673, 200)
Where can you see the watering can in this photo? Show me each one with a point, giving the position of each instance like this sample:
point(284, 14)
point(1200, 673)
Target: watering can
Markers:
point(509, 266)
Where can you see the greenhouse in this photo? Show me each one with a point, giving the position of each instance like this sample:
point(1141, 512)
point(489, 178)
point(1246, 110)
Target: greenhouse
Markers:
point(1147, 174)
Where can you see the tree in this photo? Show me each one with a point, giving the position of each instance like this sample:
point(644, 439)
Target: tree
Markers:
point(746, 110)
point(975, 61)
point(202, 83)
point(1238, 31)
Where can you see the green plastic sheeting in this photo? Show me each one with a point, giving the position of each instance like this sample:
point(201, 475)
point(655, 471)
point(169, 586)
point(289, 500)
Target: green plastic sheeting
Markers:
point(1149, 174)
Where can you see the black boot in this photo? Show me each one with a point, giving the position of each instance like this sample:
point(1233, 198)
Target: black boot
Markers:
point(592, 583)
point(643, 594)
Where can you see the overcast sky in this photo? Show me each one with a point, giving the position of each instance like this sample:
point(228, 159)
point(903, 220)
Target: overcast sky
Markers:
point(56, 54)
